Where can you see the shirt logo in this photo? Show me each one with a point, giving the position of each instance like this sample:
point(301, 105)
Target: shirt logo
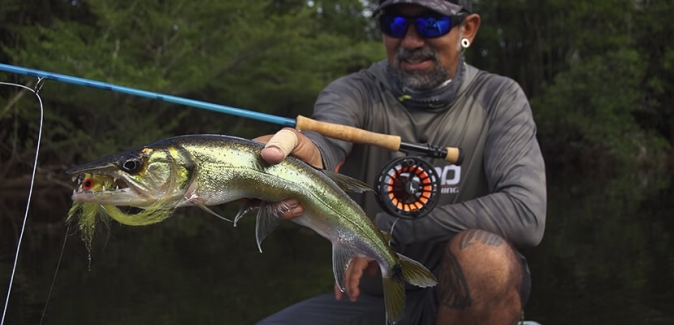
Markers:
point(450, 177)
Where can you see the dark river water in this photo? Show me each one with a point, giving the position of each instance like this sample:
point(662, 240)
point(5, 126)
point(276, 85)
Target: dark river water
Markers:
point(607, 258)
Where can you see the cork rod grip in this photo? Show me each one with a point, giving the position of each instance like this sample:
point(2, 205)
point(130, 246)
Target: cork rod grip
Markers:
point(349, 133)
point(356, 135)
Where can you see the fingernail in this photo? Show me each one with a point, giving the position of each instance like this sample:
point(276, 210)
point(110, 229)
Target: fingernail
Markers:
point(272, 154)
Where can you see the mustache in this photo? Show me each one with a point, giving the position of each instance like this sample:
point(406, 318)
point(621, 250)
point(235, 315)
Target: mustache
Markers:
point(423, 53)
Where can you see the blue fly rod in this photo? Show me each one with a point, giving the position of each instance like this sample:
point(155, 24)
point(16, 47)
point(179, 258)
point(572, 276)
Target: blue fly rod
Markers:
point(341, 132)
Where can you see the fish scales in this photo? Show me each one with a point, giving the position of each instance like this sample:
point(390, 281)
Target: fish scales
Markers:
point(230, 171)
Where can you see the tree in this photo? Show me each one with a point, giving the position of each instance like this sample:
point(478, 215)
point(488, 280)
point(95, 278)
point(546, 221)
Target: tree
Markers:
point(252, 55)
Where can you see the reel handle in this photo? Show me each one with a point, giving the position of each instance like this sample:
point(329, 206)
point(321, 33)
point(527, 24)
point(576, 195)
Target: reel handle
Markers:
point(390, 142)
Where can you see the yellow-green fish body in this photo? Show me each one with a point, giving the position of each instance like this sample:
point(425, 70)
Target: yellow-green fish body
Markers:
point(205, 170)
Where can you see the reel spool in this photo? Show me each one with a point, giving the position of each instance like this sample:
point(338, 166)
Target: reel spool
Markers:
point(408, 187)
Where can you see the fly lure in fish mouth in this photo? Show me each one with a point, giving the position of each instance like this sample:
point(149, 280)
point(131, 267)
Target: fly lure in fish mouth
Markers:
point(92, 183)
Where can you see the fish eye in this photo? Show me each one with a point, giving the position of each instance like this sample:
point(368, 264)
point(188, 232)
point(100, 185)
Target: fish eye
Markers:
point(88, 184)
point(132, 165)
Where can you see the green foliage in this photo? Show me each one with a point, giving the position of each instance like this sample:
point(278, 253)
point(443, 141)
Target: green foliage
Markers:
point(595, 101)
point(266, 56)
point(595, 74)
point(218, 51)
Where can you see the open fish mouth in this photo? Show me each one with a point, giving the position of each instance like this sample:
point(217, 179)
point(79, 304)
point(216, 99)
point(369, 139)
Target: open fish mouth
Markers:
point(88, 183)
point(109, 188)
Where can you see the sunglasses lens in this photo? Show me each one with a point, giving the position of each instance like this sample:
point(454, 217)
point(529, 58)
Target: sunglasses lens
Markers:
point(427, 26)
point(394, 26)
point(433, 26)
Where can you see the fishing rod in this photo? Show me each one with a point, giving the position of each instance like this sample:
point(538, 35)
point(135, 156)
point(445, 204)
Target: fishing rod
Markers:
point(331, 130)
point(407, 187)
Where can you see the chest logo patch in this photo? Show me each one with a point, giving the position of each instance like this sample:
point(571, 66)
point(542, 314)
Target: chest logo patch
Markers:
point(450, 178)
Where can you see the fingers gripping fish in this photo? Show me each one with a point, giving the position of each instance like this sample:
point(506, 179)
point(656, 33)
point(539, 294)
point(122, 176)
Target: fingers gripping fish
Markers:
point(206, 170)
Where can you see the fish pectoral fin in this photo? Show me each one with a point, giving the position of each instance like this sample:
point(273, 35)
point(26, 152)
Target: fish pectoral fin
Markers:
point(268, 218)
point(247, 207)
point(346, 183)
point(207, 209)
point(341, 257)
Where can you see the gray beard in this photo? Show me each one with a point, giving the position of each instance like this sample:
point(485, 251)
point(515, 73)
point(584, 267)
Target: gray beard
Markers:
point(420, 80)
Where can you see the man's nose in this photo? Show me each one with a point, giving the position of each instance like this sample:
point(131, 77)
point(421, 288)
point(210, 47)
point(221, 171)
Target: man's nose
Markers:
point(412, 39)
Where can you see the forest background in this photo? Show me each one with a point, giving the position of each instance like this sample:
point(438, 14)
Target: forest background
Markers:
point(599, 76)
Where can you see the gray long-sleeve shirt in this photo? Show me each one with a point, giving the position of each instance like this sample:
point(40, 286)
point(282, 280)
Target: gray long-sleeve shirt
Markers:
point(500, 187)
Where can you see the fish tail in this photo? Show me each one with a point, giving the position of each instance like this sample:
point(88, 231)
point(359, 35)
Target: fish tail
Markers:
point(394, 294)
point(406, 270)
point(415, 273)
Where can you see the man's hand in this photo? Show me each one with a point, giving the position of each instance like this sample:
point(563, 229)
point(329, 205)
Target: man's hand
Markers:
point(354, 272)
point(289, 141)
point(286, 142)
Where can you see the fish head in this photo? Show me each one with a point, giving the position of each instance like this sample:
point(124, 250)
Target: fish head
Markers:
point(135, 178)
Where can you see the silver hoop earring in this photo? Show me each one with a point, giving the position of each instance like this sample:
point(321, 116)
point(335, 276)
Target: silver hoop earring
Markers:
point(465, 43)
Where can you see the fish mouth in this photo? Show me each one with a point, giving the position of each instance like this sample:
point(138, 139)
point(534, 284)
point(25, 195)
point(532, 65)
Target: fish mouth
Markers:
point(88, 183)
point(109, 188)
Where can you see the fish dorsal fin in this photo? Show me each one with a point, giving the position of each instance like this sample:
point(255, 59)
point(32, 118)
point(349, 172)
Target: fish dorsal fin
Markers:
point(341, 257)
point(346, 183)
point(207, 209)
point(247, 207)
point(268, 218)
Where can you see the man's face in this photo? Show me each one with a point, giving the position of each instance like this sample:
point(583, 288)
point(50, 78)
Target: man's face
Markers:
point(422, 63)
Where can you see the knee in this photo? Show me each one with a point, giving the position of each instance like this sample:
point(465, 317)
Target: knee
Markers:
point(479, 279)
point(486, 259)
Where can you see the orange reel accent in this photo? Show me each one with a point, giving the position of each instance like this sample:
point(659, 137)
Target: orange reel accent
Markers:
point(408, 187)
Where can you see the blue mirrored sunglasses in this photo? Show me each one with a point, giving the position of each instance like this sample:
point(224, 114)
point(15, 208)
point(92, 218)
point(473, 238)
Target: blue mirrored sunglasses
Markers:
point(428, 26)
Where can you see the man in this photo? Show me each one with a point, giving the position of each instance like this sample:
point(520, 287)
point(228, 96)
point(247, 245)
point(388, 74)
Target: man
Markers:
point(492, 204)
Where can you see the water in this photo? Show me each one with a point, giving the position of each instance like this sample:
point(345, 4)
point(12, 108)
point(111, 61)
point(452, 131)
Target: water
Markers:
point(606, 258)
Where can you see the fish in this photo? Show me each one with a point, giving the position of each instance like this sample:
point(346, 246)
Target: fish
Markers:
point(209, 169)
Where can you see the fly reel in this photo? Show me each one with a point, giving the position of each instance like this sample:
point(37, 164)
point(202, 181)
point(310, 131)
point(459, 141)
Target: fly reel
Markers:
point(408, 187)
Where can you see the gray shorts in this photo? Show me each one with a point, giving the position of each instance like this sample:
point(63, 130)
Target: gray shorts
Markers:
point(420, 308)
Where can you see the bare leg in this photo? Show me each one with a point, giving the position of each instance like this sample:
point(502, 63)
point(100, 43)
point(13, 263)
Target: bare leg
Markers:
point(479, 281)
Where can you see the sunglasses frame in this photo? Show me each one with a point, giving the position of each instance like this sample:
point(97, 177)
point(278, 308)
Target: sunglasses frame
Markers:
point(454, 20)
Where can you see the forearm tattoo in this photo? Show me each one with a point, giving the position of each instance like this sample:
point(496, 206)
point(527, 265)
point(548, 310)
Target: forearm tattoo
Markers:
point(453, 289)
point(473, 236)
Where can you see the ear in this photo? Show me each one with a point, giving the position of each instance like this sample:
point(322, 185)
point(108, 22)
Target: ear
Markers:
point(470, 26)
